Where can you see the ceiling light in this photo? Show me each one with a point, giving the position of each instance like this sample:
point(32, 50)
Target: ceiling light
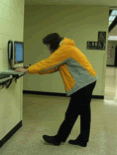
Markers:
point(114, 13)
point(112, 38)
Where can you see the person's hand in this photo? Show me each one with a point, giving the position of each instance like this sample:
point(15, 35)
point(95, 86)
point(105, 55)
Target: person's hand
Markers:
point(21, 70)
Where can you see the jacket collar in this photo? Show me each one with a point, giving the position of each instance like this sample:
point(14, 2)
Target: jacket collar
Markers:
point(60, 42)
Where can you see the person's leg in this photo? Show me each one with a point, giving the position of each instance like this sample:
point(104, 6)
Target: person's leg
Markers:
point(85, 122)
point(85, 119)
point(71, 116)
point(78, 106)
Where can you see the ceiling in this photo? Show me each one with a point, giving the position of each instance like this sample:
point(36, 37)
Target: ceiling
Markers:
point(111, 3)
point(113, 32)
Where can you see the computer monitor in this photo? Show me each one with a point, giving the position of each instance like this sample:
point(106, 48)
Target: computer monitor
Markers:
point(18, 52)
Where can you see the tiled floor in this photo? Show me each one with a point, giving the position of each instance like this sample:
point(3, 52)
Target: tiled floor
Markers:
point(44, 114)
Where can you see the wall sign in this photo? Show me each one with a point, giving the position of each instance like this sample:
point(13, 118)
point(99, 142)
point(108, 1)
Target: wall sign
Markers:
point(96, 45)
point(102, 36)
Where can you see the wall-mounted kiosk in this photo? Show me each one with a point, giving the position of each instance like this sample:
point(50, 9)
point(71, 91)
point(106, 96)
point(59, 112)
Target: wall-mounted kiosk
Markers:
point(16, 59)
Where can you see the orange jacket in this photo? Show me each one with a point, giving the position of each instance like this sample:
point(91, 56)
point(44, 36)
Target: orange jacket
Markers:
point(75, 69)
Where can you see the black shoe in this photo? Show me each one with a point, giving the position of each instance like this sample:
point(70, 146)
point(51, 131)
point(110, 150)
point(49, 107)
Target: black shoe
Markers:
point(76, 142)
point(51, 139)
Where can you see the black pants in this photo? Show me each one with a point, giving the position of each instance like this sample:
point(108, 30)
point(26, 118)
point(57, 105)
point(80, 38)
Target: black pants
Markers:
point(79, 105)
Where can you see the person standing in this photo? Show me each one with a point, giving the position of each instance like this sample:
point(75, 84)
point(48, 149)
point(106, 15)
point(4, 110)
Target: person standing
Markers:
point(79, 79)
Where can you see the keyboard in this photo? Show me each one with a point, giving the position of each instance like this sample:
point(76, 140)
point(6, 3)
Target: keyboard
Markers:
point(11, 72)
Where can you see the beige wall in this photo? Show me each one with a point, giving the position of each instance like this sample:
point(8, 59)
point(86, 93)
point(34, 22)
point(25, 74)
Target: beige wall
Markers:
point(111, 60)
point(80, 23)
point(11, 28)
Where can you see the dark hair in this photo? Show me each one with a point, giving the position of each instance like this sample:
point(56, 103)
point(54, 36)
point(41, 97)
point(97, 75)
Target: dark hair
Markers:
point(53, 40)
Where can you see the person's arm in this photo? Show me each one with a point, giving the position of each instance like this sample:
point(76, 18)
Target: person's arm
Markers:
point(50, 71)
point(50, 64)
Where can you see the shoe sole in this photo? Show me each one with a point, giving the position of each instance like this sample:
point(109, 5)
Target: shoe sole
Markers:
point(78, 143)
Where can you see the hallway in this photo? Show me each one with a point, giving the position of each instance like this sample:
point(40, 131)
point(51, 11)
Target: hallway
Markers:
point(44, 114)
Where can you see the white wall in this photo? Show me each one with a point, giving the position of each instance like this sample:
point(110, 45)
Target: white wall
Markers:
point(11, 28)
point(111, 59)
point(80, 23)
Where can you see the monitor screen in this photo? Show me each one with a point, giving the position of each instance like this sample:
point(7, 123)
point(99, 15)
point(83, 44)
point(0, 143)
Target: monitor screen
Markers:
point(18, 52)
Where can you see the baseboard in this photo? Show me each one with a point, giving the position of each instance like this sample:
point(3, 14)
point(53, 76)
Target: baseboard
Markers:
point(55, 94)
point(10, 134)
point(111, 66)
